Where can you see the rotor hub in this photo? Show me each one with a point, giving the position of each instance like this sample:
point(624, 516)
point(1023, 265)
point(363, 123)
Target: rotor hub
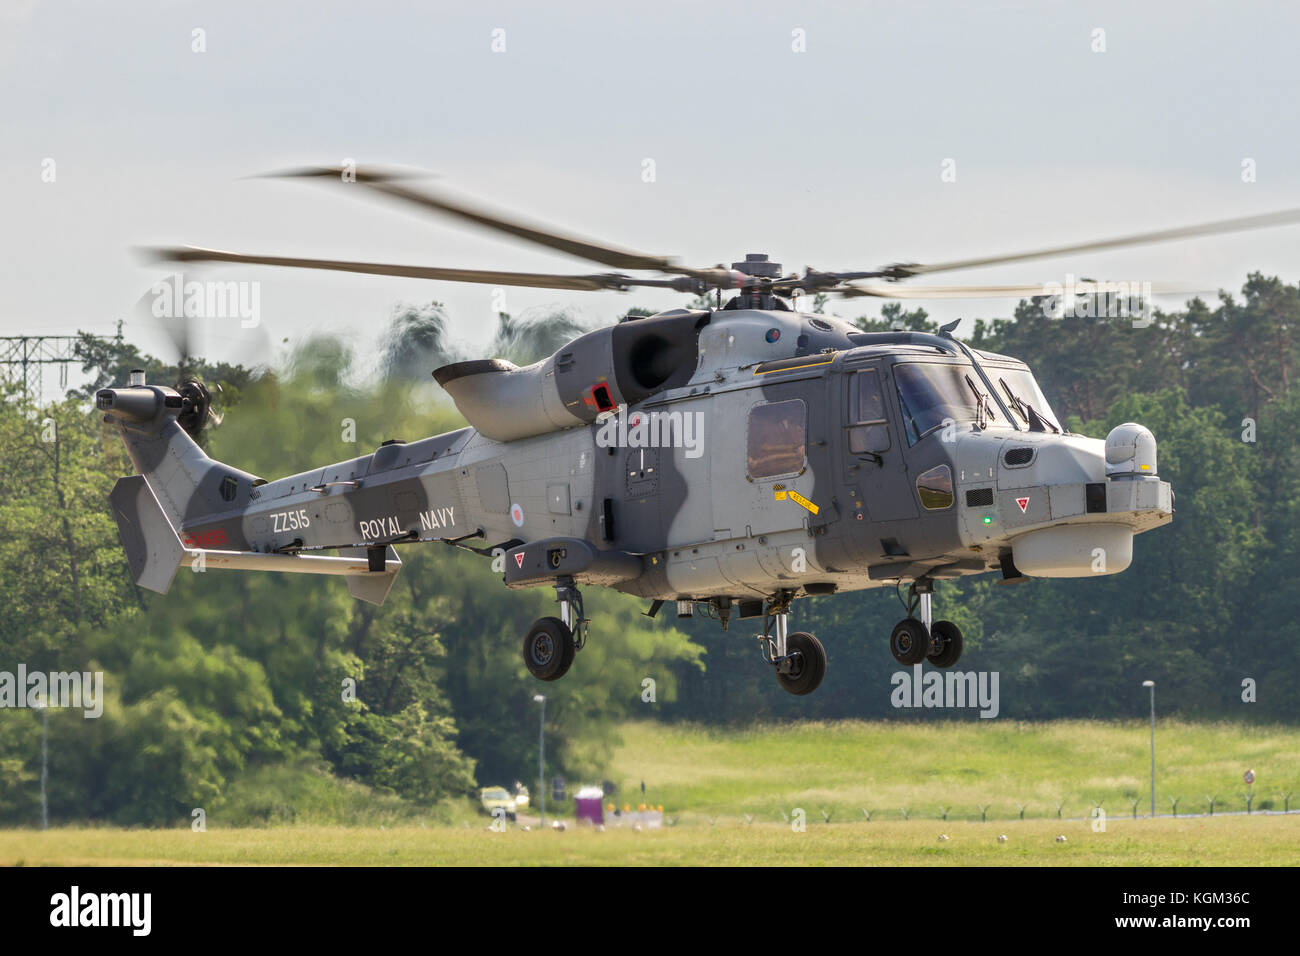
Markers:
point(197, 403)
point(758, 266)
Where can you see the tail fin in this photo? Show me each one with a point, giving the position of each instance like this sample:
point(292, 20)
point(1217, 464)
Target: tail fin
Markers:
point(187, 484)
point(153, 550)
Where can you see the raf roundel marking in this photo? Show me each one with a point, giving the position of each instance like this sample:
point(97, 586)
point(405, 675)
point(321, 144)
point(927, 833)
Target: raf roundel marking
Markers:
point(517, 515)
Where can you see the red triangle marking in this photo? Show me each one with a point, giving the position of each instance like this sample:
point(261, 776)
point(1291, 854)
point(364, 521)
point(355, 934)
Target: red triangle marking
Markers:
point(519, 560)
point(1024, 503)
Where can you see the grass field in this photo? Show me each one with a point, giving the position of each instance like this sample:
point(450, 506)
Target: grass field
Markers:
point(845, 767)
point(731, 795)
point(1232, 841)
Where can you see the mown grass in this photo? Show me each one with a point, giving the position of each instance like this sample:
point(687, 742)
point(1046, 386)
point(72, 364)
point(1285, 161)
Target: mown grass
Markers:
point(1232, 841)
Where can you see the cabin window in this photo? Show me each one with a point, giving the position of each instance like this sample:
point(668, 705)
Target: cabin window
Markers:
point(868, 429)
point(776, 439)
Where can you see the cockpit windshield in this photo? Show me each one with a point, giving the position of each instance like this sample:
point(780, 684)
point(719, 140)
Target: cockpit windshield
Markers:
point(1019, 391)
point(930, 393)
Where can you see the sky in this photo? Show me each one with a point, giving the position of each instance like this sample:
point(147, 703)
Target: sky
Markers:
point(817, 132)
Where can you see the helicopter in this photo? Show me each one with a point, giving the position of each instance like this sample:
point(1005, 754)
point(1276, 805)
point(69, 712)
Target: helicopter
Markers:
point(726, 461)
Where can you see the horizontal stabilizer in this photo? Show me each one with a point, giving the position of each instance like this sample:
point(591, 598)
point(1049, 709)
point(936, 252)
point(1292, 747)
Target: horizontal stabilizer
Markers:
point(373, 586)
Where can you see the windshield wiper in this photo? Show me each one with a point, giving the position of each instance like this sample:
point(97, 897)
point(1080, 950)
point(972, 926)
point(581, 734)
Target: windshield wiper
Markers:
point(982, 410)
point(1036, 421)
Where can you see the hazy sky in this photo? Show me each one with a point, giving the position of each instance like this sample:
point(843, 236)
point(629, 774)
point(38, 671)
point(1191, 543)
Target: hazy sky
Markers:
point(830, 157)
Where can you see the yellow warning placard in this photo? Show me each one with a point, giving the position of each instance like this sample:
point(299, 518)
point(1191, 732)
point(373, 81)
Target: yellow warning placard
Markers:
point(801, 500)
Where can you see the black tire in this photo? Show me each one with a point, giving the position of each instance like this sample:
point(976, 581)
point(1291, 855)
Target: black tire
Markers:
point(910, 641)
point(807, 665)
point(948, 636)
point(548, 649)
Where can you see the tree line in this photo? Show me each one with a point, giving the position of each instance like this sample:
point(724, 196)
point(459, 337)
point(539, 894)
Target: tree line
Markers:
point(232, 677)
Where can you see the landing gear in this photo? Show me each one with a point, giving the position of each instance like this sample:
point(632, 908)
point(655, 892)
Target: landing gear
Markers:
point(806, 666)
point(947, 635)
point(799, 658)
point(917, 639)
point(552, 642)
point(910, 641)
point(549, 649)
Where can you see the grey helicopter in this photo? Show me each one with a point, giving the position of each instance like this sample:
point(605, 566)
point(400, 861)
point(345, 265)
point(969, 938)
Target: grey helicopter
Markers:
point(724, 460)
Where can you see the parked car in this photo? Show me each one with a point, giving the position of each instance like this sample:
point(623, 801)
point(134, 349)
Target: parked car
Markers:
point(494, 798)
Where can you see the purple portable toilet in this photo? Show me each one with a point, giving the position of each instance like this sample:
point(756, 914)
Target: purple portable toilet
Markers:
point(589, 805)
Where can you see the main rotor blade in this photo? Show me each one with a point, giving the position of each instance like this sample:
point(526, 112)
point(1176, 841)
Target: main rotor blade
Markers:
point(1087, 287)
point(1241, 224)
point(538, 280)
point(388, 184)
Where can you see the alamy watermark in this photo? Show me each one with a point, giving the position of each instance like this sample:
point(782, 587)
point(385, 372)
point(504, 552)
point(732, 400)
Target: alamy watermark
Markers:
point(73, 689)
point(174, 298)
point(946, 689)
point(651, 430)
point(127, 910)
point(1084, 299)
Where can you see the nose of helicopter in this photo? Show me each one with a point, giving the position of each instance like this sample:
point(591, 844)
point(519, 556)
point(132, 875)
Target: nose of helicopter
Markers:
point(1050, 460)
point(1065, 505)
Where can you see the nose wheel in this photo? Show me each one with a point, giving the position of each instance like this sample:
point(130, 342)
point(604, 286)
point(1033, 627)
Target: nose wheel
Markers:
point(910, 641)
point(916, 639)
point(945, 644)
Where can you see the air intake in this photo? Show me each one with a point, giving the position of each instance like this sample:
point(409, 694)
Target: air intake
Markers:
point(979, 497)
point(1014, 457)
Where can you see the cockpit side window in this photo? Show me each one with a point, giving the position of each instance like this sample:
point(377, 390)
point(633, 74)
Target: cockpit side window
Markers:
point(868, 427)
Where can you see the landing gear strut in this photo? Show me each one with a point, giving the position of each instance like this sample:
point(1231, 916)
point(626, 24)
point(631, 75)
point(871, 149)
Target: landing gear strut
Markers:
point(917, 639)
point(799, 658)
point(551, 643)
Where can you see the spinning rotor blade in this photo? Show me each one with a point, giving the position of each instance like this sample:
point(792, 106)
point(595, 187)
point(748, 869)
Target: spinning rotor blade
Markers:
point(179, 332)
point(1241, 224)
point(385, 182)
point(893, 291)
point(540, 280)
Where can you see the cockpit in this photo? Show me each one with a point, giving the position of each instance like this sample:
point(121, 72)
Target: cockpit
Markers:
point(933, 393)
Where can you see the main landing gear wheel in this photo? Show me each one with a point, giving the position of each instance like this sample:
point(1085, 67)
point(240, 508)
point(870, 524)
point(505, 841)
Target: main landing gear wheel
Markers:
point(549, 649)
point(910, 641)
point(806, 666)
point(945, 644)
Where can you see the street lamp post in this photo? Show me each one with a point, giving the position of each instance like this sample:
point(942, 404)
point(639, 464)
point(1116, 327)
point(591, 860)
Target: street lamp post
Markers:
point(541, 756)
point(1152, 685)
point(45, 763)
